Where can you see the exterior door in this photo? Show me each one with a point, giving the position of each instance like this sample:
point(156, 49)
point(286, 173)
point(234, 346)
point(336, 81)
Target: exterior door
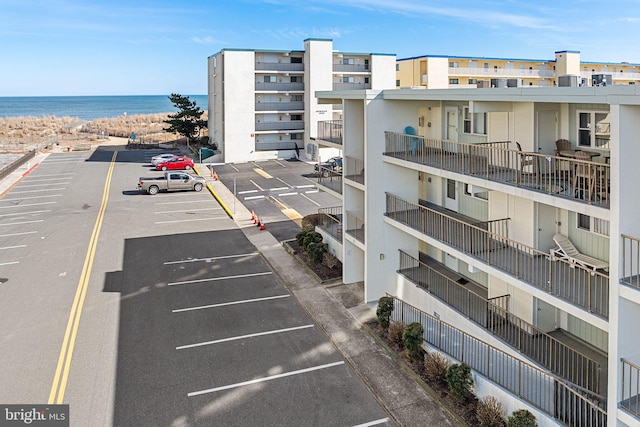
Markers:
point(546, 219)
point(452, 123)
point(451, 195)
point(545, 315)
point(547, 132)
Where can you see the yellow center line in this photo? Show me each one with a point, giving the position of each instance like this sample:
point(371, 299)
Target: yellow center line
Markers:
point(59, 385)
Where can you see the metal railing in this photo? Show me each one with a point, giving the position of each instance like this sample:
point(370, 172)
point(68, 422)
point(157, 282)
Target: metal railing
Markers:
point(330, 179)
point(279, 106)
point(354, 169)
point(351, 68)
point(500, 72)
point(279, 86)
point(330, 130)
point(355, 226)
point(351, 86)
point(279, 66)
point(5, 171)
point(566, 403)
point(630, 393)
point(630, 261)
point(569, 178)
point(280, 125)
point(494, 316)
point(573, 283)
point(330, 220)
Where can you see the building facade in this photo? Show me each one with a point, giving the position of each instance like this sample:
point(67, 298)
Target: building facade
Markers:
point(262, 103)
point(565, 69)
point(505, 221)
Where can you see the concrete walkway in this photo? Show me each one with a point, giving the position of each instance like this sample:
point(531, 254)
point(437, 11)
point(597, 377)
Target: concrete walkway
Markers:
point(395, 386)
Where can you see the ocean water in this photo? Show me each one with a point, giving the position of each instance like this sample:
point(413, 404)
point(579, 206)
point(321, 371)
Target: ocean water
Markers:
point(90, 107)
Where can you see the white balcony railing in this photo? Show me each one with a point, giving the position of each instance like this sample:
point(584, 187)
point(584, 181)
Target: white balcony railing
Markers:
point(500, 72)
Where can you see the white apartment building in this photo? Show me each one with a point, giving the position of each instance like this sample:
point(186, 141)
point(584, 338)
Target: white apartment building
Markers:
point(262, 103)
point(505, 220)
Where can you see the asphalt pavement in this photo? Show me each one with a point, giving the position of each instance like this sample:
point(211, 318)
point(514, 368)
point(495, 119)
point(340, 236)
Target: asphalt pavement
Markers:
point(402, 395)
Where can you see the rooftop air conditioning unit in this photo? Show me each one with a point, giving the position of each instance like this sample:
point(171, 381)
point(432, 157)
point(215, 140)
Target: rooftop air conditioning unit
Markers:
point(601, 80)
point(568, 80)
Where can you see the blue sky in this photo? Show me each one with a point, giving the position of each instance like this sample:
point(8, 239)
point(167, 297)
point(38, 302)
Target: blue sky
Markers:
point(117, 47)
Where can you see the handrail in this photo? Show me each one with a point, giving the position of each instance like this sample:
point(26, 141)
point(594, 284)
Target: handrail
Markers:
point(630, 261)
point(530, 340)
point(541, 389)
point(355, 226)
point(573, 283)
point(630, 387)
point(541, 172)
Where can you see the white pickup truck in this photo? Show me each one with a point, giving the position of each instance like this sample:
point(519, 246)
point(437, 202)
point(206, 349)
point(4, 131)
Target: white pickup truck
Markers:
point(171, 181)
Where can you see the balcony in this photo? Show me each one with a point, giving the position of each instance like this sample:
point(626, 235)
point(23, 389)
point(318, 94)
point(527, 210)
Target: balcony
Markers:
point(277, 145)
point(330, 131)
point(279, 66)
point(572, 283)
point(614, 75)
point(330, 220)
point(351, 68)
point(355, 226)
point(280, 106)
point(354, 170)
point(568, 178)
point(351, 86)
point(493, 315)
point(630, 393)
point(501, 73)
point(280, 125)
point(330, 179)
point(280, 87)
point(631, 261)
point(568, 404)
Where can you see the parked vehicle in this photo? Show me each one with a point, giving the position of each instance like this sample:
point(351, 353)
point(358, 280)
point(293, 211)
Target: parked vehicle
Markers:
point(162, 158)
point(176, 163)
point(171, 181)
point(334, 164)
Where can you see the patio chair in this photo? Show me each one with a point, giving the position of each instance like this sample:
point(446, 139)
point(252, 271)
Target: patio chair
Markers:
point(565, 250)
point(562, 145)
point(526, 159)
point(584, 176)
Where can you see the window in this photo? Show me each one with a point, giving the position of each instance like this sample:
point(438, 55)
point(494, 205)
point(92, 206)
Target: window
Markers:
point(453, 65)
point(270, 79)
point(474, 122)
point(297, 98)
point(366, 64)
point(296, 60)
point(348, 61)
point(296, 136)
point(594, 129)
point(473, 81)
point(397, 67)
point(296, 117)
point(453, 81)
point(594, 225)
point(348, 79)
point(451, 189)
point(296, 79)
point(478, 193)
point(366, 80)
point(397, 83)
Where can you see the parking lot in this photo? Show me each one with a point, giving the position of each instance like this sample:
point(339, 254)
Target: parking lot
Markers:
point(183, 321)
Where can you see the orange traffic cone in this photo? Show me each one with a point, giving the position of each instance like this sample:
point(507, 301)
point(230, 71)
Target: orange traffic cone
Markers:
point(255, 219)
point(215, 176)
point(259, 222)
point(253, 216)
point(262, 227)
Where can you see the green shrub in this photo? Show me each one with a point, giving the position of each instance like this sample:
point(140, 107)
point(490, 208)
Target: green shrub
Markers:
point(384, 310)
point(435, 366)
point(316, 251)
point(311, 237)
point(300, 237)
point(396, 332)
point(490, 413)
point(412, 339)
point(522, 418)
point(460, 381)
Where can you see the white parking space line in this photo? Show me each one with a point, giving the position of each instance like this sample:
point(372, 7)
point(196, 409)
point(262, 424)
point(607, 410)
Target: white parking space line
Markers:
point(259, 380)
point(215, 279)
point(305, 186)
point(373, 423)
point(189, 210)
point(254, 197)
point(249, 254)
point(12, 247)
point(181, 202)
point(38, 191)
point(30, 197)
point(285, 183)
point(235, 168)
point(17, 234)
point(242, 337)
point(287, 194)
point(224, 304)
point(312, 191)
point(279, 188)
point(311, 200)
point(57, 175)
point(23, 222)
point(284, 166)
point(253, 182)
point(210, 218)
point(44, 185)
point(10, 263)
point(247, 192)
point(25, 213)
point(30, 204)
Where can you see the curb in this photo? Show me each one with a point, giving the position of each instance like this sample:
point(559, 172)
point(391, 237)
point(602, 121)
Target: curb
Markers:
point(213, 193)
